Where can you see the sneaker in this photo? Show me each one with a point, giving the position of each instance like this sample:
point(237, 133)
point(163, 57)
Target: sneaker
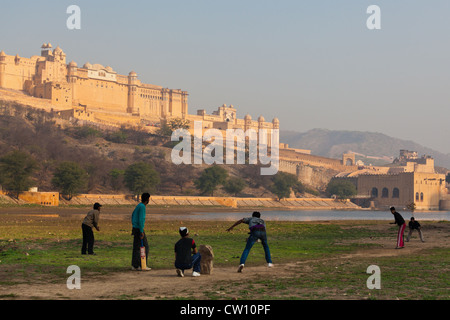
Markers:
point(240, 268)
point(135, 269)
point(180, 273)
point(195, 274)
point(270, 265)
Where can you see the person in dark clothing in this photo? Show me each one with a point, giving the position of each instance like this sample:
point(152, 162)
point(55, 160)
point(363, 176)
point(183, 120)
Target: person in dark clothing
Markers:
point(183, 258)
point(89, 222)
point(257, 228)
point(138, 223)
point(414, 225)
point(401, 228)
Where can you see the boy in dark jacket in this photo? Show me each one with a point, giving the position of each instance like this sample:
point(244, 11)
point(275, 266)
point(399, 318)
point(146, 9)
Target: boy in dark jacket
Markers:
point(183, 258)
point(414, 225)
point(401, 228)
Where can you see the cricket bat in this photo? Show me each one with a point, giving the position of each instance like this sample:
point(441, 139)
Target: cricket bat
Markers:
point(143, 258)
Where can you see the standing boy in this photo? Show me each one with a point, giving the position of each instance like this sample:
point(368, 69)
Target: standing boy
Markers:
point(257, 228)
point(414, 225)
point(401, 228)
point(138, 222)
point(183, 258)
point(89, 222)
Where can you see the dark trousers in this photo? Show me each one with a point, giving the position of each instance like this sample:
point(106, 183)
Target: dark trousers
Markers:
point(195, 263)
point(136, 256)
point(88, 239)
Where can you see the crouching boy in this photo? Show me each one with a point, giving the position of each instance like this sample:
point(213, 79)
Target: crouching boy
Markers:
point(183, 258)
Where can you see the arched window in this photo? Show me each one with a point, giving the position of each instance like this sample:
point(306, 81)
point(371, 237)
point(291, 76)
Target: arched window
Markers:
point(421, 196)
point(385, 193)
point(417, 196)
point(396, 193)
point(374, 193)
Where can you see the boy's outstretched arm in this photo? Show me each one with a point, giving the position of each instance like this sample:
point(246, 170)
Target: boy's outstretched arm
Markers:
point(234, 225)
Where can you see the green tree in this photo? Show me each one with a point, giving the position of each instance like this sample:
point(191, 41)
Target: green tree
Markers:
point(141, 177)
point(235, 185)
point(182, 174)
point(116, 178)
point(210, 179)
point(83, 132)
point(117, 136)
point(341, 188)
point(16, 169)
point(172, 125)
point(69, 178)
point(282, 183)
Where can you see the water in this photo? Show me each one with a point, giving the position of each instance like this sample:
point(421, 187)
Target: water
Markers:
point(313, 215)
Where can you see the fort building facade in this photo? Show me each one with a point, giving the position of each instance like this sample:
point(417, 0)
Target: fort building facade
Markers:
point(90, 87)
point(98, 94)
point(415, 181)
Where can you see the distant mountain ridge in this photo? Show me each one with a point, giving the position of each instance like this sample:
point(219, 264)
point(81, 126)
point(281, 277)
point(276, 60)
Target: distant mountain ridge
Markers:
point(333, 143)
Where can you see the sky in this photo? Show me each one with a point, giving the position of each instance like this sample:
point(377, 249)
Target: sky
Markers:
point(312, 64)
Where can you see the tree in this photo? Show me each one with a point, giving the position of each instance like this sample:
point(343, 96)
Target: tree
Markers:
point(235, 185)
point(69, 178)
point(141, 177)
point(170, 126)
point(182, 174)
point(341, 188)
point(253, 174)
point(411, 206)
point(210, 179)
point(116, 178)
point(16, 169)
point(282, 183)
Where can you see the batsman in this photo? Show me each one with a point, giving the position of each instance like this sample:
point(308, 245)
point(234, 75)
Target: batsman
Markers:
point(140, 245)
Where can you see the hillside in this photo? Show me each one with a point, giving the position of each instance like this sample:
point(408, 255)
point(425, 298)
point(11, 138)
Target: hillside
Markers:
point(370, 147)
point(100, 152)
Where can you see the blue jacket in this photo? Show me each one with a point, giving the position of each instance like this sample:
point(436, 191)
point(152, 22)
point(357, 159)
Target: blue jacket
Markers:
point(138, 217)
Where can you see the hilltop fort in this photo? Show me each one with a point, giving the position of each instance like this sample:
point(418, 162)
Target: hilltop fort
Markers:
point(98, 95)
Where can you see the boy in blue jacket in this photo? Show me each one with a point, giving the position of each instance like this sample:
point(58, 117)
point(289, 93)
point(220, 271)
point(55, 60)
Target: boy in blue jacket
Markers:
point(138, 222)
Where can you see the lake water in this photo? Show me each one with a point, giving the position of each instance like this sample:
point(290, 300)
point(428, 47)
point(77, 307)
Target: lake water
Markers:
point(313, 215)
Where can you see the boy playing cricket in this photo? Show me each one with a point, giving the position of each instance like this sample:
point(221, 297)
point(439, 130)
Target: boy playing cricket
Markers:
point(257, 228)
point(401, 228)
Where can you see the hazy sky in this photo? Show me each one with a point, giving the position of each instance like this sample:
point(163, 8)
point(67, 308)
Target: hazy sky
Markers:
point(312, 64)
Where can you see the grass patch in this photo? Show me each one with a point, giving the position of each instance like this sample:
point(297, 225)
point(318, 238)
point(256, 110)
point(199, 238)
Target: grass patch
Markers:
point(36, 249)
point(33, 247)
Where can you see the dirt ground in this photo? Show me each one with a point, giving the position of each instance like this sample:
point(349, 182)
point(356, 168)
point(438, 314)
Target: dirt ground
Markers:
point(164, 284)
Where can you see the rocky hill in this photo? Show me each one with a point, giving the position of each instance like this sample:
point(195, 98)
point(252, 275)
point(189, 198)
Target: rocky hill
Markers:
point(371, 147)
